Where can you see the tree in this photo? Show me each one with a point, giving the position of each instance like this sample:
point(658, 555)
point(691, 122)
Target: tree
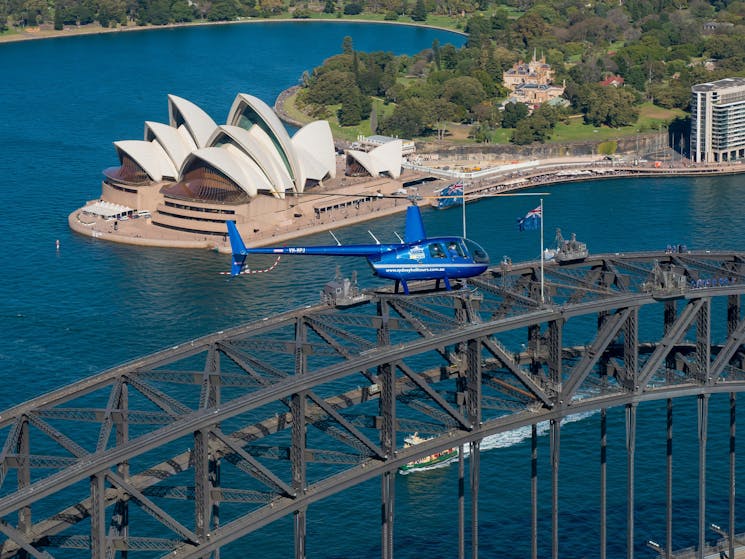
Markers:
point(373, 120)
point(110, 11)
point(407, 119)
point(479, 31)
point(535, 128)
point(464, 91)
point(58, 23)
point(440, 113)
point(222, 10)
point(486, 113)
point(529, 28)
point(347, 46)
point(522, 134)
point(514, 113)
point(182, 11)
point(328, 88)
point(350, 112)
point(420, 12)
point(352, 9)
point(483, 133)
point(394, 93)
point(609, 106)
point(329, 7)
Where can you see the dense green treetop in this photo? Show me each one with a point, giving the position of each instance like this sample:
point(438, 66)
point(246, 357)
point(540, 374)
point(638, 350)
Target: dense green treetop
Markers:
point(659, 47)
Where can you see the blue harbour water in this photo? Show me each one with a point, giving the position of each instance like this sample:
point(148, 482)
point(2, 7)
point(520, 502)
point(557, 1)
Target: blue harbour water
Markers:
point(72, 312)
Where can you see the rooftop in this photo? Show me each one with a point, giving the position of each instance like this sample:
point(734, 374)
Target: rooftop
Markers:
point(718, 85)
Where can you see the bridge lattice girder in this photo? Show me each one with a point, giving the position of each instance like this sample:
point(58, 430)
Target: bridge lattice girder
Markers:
point(273, 416)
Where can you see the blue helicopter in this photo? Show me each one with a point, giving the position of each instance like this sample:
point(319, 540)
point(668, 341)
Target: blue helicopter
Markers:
point(415, 258)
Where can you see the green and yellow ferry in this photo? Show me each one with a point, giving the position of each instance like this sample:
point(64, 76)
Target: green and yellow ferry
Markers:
point(434, 460)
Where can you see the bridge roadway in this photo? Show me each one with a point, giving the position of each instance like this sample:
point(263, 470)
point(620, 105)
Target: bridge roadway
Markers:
point(249, 425)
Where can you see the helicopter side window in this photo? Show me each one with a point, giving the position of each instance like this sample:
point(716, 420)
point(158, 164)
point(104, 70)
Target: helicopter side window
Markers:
point(455, 249)
point(477, 253)
point(435, 250)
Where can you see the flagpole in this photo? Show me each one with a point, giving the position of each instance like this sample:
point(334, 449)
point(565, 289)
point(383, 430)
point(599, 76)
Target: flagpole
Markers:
point(542, 298)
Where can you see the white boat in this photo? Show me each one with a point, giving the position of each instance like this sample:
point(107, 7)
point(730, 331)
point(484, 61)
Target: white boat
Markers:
point(433, 460)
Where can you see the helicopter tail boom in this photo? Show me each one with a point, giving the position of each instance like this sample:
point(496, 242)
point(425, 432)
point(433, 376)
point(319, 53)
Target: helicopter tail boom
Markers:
point(238, 248)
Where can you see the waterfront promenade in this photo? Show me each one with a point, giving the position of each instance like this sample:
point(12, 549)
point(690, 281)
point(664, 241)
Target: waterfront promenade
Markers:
point(492, 178)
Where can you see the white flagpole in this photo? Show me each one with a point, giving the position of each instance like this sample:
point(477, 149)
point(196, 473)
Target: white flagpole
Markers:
point(542, 298)
point(464, 211)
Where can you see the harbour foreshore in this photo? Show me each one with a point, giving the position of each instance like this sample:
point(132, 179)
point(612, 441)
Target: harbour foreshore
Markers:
point(47, 31)
point(493, 178)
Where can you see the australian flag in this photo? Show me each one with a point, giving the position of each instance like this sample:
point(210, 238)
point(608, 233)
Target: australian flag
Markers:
point(531, 221)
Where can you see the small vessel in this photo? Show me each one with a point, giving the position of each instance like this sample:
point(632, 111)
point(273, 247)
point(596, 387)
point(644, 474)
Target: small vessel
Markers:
point(434, 460)
point(448, 197)
point(343, 292)
point(566, 251)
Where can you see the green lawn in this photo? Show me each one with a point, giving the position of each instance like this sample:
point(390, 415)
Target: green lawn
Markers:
point(577, 131)
point(651, 117)
point(574, 130)
point(453, 23)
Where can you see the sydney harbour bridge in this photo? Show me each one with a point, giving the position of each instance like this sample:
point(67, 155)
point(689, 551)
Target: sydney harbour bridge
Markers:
point(184, 452)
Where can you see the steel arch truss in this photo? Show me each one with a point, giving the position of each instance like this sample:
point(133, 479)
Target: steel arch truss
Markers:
point(215, 438)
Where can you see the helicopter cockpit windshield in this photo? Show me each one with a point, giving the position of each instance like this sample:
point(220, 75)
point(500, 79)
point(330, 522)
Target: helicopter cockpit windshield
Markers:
point(477, 253)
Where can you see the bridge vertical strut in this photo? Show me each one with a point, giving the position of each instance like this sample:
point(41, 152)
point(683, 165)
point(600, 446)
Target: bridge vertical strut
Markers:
point(202, 505)
point(669, 482)
point(603, 483)
point(98, 516)
point(603, 361)
point(703, 421)
point(555, 436)
point(121, 424)
point(473, 407)
point(24, 474)
point(461, 503)
point(298, 409)
point(630, 492)
point(732, 463)
point(669, 317)
point(534, 491)
point(387, 410)
point(631, 348)
point(733, 313)
point(703, 342)
point(555, 341)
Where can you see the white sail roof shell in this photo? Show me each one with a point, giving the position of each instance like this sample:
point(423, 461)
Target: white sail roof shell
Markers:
point(261, 158)
point(253, 172)
point(315, 141)
point(263, 142)
point(312, 167)
point(150, 156)
point(169, 138)
point(386, 158)
point(225, 162)
point(198, 123)
point(257, 146)
point(271, 120)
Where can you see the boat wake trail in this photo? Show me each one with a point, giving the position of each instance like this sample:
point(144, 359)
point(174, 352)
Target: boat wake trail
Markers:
point(511, 438)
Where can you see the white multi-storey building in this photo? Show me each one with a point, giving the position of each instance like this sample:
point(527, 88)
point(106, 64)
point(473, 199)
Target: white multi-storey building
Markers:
point(718, 121)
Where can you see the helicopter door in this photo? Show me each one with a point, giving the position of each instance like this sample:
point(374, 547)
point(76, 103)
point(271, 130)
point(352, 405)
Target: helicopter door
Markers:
point(436, 251)
point(455, 250)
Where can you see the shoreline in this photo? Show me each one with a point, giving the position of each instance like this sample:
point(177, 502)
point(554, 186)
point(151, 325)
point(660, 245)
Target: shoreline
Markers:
point(143, 232)
point(35, 34)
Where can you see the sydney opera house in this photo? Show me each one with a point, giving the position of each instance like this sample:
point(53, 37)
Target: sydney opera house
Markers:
point(191, 175)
